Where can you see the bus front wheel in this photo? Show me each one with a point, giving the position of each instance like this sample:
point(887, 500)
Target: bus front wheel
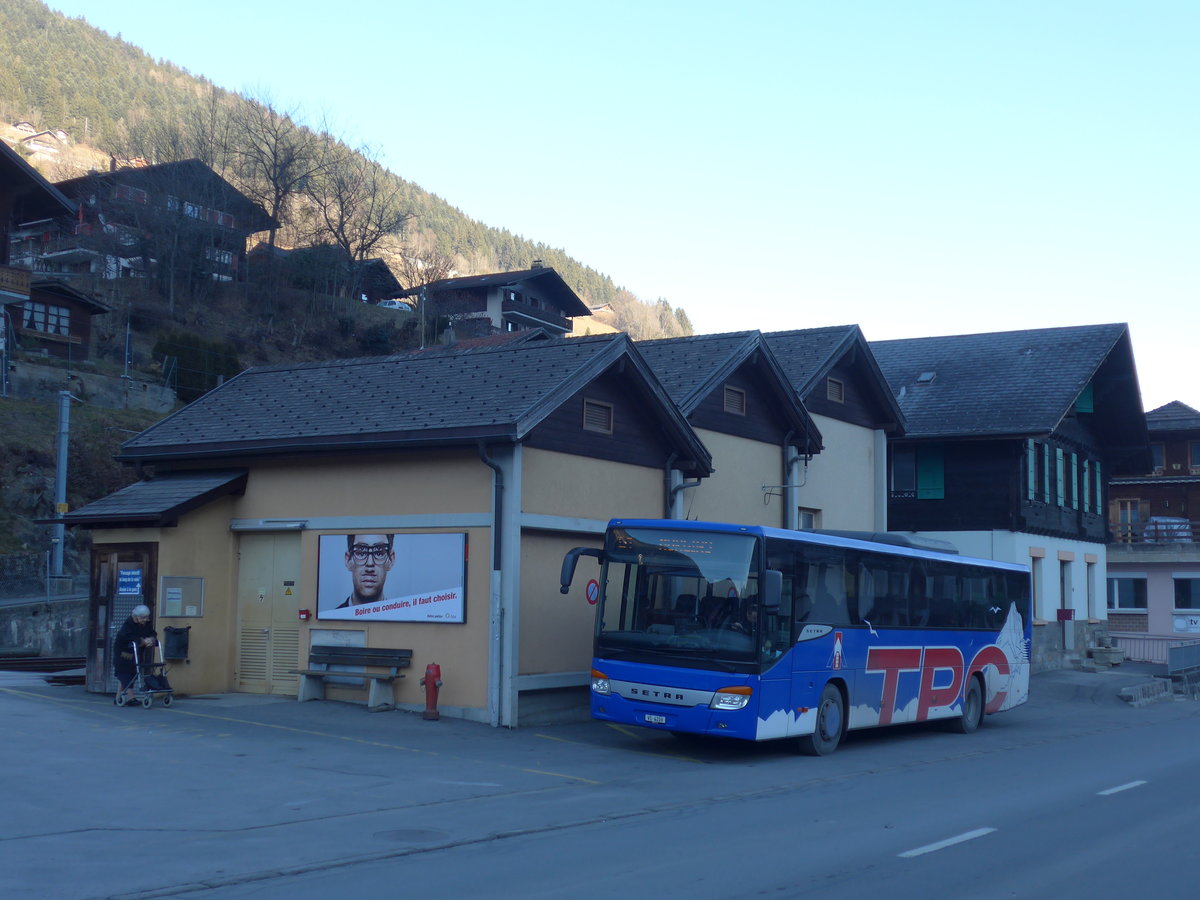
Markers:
point(972, 709)
point(831, 722)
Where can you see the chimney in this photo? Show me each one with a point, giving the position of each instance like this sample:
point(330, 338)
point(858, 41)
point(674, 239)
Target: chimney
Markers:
point(536, 264)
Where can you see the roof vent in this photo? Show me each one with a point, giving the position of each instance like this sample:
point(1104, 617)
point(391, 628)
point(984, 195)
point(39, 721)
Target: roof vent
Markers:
point(536, 264)
point(926, 377)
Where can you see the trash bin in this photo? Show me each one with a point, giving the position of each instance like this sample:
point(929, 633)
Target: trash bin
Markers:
point(175, 642)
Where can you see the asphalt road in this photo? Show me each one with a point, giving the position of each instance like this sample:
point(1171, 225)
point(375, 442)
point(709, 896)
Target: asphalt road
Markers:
point(1074, 794)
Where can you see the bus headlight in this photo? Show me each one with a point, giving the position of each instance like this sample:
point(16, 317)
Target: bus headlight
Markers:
point(734, 697)
point(600, 683)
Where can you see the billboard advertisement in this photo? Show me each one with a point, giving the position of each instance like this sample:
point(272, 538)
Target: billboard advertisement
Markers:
point(394, 577)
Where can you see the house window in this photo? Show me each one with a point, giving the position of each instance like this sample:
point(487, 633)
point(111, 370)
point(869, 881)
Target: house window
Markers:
point(919, 472)
point(735, 401)
point(172, 203)
point(1158, 458)
point(597, 416)
point(1085, 402)
point(835, 390)
point(1194, 457)
point(1127, 592)
point(809, 519)
point(1129, 515)
point(45, 318)
point(1187, 592)
point(191, 209)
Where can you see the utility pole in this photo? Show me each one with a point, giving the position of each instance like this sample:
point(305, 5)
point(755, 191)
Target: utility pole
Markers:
point(4, 351)
point(60, 481)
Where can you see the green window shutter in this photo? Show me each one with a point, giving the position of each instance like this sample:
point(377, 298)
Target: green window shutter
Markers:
point(1074, 481)
point(1045, 473)
point(1087, 485)
point(1059, 474)
point(1099, 488)
point(1085, 402)
point(1030, 469)
point(931, 472)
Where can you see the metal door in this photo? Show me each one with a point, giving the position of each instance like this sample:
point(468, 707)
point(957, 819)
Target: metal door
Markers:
point(268, 606)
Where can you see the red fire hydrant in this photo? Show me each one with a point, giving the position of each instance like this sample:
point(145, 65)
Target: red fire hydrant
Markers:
point(431, 682)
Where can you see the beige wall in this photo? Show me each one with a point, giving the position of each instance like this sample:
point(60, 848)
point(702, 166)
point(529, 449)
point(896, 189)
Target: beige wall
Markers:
point(841, 478)
point(575, 486)
point(556, 628)
point(450, 482)
point(734, 493)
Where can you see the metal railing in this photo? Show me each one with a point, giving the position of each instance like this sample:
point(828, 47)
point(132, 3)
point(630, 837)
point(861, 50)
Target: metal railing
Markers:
point(1157, 530)
point(1152, 648)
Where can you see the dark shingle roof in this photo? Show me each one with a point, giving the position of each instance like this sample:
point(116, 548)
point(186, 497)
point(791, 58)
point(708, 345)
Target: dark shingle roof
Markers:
point(807, 354)
point(447, 396)
point(691, 368)
point(1174, 416)
point(33, 196)
point(1000, 383)
point(159, 501)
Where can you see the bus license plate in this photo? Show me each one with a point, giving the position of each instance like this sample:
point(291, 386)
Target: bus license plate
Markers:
point(656, 720)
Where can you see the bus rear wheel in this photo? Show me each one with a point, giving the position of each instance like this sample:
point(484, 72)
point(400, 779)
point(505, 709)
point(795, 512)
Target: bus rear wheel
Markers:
point(972, 709)
point(831, 722)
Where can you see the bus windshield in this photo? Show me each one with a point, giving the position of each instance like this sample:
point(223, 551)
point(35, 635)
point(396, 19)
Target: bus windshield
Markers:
point(684, 598)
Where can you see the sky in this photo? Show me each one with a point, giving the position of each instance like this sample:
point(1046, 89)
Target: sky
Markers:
point(915, 168)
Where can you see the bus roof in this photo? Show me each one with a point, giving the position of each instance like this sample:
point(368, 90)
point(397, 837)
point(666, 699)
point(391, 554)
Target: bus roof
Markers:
point(881, 542)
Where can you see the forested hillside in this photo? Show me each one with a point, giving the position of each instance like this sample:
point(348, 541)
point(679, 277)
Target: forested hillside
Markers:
point(61, 73)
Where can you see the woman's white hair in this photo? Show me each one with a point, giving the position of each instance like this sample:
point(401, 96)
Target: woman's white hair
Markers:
point(141, 610)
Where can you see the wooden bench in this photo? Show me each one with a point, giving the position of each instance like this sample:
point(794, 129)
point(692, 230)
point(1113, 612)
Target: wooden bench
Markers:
point(322, 656)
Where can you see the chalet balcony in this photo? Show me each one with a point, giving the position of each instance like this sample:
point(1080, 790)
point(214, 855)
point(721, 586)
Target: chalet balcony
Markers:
point(529, 316)
point(1157, 530)
point(14, 283)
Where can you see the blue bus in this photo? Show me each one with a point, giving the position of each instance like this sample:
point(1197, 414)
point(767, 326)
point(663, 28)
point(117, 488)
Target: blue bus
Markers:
point(758, 633)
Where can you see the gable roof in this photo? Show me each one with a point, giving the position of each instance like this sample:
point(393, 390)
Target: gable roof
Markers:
point(436, 398)
point(58, 288)
point(691, 368)
point(545, 277)
point(1013, 383)
point(808, 355)
point(166, 178)
point(33, 196)
point(1174, 416)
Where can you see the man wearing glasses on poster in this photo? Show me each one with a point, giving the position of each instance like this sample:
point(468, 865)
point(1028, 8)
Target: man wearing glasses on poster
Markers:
point(369, 558)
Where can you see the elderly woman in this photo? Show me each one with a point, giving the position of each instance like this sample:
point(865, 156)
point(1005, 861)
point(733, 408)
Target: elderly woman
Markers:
point(135, 635)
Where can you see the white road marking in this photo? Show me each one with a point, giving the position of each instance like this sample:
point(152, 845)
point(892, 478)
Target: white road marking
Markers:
point(948, 842)
point(1119, 788)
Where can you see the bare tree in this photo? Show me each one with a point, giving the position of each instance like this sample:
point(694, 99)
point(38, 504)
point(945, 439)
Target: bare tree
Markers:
point(356, 203)
point(275, 158)
point(415, 265)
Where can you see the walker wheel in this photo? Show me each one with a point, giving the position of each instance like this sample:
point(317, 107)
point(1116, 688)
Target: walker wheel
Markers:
point(167, 700)
point(147, 702)
point(121, 699)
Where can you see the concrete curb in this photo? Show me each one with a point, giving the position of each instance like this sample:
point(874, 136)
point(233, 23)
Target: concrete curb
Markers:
point(1147, 692)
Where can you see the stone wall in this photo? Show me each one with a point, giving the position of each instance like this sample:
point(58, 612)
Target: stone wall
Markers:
point(45, 627)
point(31, 381)
point(1047, 653)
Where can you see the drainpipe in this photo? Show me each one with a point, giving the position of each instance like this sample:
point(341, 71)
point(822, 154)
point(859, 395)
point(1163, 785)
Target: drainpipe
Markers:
point(675, 486)
point(495, 606)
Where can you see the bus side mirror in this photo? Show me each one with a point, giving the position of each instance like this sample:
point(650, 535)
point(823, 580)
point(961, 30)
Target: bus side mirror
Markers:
point(569, 561)
point(772, 589)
